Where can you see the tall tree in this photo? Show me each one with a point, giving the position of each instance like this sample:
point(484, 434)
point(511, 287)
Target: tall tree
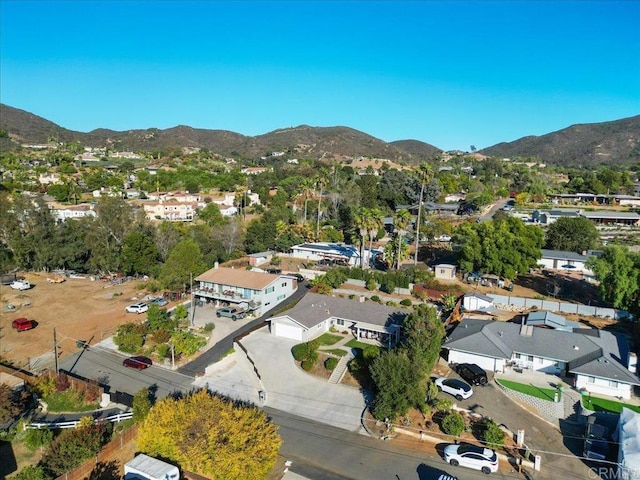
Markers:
point(401, 222)
point(374, 224)
point(423, 332)
point(577, 234)
point(361, 220)
point(426, 174)
point(211, 436)
point(184, 261)
point(618, 271)
point(140, 254)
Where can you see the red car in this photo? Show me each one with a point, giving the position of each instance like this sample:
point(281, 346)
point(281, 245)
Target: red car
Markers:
point(22, 324)
point(138, 362)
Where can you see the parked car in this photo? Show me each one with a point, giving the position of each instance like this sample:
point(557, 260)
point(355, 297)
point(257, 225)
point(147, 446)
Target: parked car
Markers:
point(597, 437)
point(459, 389)
point(22, 324)
point(471, 456)
point(140, 362)
point(139, 307)
point(472, 373)
point(231, 312)
point(297, 276)
point(274, 271)
point(20, 285)
point(160, 301)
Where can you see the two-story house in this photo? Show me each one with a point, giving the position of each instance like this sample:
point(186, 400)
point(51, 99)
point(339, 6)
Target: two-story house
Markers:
point(256, 292)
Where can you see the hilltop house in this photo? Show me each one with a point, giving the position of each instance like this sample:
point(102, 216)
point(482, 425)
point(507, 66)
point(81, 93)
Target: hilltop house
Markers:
point(256, 292)
point(598, 361)
point(315, 314)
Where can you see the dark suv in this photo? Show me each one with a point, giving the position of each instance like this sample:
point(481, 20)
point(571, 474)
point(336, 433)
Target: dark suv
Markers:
point(472, 373)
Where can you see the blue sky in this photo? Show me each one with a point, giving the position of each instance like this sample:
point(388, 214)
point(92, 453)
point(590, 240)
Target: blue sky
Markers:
point(452, 73)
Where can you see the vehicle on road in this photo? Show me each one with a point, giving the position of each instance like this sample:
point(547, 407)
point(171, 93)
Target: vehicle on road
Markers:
point(20, 285)
point(459, 389)
point(472, 373)
point(23, 324)
point(297, 276)
point(231, 312)
point(139, 307)
point(160, 301)
point(139, 362)
point(471, 456)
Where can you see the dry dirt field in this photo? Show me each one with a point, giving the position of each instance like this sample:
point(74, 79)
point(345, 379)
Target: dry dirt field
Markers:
point(79, 309)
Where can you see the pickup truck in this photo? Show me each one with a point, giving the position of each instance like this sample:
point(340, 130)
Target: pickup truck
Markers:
point(232, 312)
point(20, 285)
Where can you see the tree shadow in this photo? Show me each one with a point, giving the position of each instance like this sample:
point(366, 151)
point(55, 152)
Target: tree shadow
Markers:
point(106, 471)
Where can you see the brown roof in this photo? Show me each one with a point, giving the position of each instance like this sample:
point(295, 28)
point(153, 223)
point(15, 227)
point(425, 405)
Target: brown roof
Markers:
point(238, 278)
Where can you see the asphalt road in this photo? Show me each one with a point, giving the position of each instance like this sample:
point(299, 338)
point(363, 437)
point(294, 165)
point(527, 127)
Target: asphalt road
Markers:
point(498, 206)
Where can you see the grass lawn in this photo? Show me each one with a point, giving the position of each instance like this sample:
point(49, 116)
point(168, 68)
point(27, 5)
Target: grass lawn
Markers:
point(598, 404)
point(68, 401)
point(328, 339)
point(538, 392)
point(338, 352)
point(356, 344)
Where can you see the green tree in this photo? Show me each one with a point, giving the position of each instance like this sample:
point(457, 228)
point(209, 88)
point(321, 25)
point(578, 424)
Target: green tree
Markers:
point(492, 434)
point(185, 260)
point(211, 436)
point(186, 343)
point(618, 271)
point(38, 437)
point(211, 215)
point(141, 405)
point(423, 332)
point(397, 385)
point(452, 424)
point(72, 447)
point(33, 472)
point(159, 319)
point(574, 234)
point(140, 254)
point(129, 337)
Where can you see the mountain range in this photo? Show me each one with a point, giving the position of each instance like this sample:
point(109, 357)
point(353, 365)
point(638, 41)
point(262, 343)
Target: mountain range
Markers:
point(616, 142)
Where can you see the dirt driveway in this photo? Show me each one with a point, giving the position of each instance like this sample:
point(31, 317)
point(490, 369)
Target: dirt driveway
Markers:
point(79, 309)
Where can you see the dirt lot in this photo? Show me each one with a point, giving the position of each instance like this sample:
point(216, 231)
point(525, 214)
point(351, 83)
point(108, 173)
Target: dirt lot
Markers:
point(79, 309)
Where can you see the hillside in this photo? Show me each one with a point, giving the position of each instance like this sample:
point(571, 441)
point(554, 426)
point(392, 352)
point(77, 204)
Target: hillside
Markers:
point(616, 142)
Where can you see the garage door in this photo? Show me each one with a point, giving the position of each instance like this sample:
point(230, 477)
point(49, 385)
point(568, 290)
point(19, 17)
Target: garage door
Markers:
point(288, 331)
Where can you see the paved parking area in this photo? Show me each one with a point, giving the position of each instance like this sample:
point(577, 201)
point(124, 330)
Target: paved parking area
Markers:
point(287, 387)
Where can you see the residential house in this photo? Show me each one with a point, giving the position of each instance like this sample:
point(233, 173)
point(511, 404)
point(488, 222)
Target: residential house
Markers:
point(476, 301)
point(597, 360)
point(50, 178)
point(256, 259)
point(172, 211)
point(315, 314)
point(178, 196)
point(547, 217)
point(564, 260)
point(445, 272)
point(336, 252)
point(72, 211)
point(254, 170)
point(631, 219)
point(455, 197)
point(256, 292)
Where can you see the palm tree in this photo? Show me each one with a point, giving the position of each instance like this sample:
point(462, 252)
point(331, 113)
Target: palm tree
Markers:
point(361, 220)
point(401, 221)
point(427, 172)
point(307, 187)
point(375, 223)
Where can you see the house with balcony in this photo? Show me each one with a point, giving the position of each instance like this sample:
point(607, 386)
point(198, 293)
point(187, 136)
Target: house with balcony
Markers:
point(316, 314)
point(594, 360)
point(172, 211)
point(256, 292)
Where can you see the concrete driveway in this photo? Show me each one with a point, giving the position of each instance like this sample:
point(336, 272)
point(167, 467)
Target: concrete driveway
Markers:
point(287, 387)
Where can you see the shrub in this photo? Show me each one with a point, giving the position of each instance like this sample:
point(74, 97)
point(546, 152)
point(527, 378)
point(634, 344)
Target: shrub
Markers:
point(443, 404)
point(371, 284)
point(375, 298)
point(161, 336)
point(129, 337)
point(492, 434)
point(405, 302)
point(452, 424)
point(389, 286)
point(391, 303)
point(38, 437)
point(163, 350)
point(299, 352)
point(44, 386)
point(331, 363)
point(32, 472)
point(209, 327)
point(307, 365)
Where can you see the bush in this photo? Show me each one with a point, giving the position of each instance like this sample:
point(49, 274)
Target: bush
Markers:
point(442, 405)
point(375, 298)
point(161, 336)
point(389, 286)
point(452, 424)
point(405, 302)
point(492, 434)
point(130, 337)
point(331, 363)
point(38, 437)
point(209, 327)
point(307, 365)
point(371, 284)
point(299, 352)
point(163, 350)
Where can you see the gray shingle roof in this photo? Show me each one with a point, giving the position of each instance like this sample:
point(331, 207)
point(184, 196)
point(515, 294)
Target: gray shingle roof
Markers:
point(315, 308)
point(563, 255)
point(589, 352)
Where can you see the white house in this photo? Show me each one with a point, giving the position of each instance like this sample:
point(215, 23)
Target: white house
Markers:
point(599, 361)
point(254, 291)
point(476, 301)
point(173, 211)
point(73, 211)
point(445, 272)
point(315, 314)
point(329, 251)
point(563, 260)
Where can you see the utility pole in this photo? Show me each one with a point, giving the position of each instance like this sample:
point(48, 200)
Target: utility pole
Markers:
point(193, 303)
point(173, 358)
point(55, 349)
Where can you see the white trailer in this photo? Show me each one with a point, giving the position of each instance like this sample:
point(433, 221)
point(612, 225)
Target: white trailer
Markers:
point(144, 467)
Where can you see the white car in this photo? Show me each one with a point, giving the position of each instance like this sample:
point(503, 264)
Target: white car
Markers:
point(459, 389)
point(471, 456)
point(20, 285)
point(139, 307)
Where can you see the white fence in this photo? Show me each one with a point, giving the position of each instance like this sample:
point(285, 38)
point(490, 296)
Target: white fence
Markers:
point(118, 417)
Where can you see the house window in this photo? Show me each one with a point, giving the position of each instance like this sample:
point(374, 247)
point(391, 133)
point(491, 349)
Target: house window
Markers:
point(270, 290)
point(591, 379)
point(340, 321)
point(529, 358)
point(280, 297)
point(613, 384)
point(518, 356)
point(284, 284)
point(538, 359)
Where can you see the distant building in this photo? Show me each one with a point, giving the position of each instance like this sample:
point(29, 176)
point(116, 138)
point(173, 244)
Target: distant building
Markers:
point(73, 211)
point(445, 272)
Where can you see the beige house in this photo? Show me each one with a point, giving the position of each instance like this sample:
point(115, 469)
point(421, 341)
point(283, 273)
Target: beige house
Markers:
point(172, 211)
point(445, 272)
